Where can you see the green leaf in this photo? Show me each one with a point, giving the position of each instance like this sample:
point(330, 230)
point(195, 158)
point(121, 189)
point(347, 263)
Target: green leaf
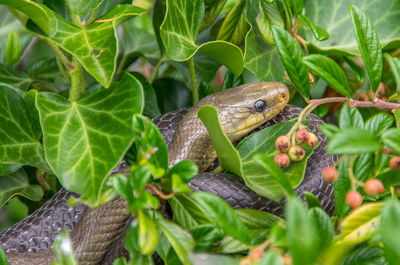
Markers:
point(19, 133)
point(368, 44)
point(391, 139)
point(150, 100)
point(179, 31)
point(319, 33)
point(330, 71)
point(226, 152)
point(390, 231)
point(254, 219)
point(212, 259)
point(353, 141)
point(312, 200)
point(17, 184)
point(148, 237)
point(394, 63)
point(63, 249)
point(6, 169)
point(271, 258)
point(323, 226)
point(291, 55)
point(213, 9)
point(396, 114)
point(379, 123)
point(301, 233)
point(97, 42)
point(342, 187)
point(361, 223)
point(269, 14)
point(186, 170)
point(234, 27)
point(334, 17)
point(82, 7)
point(85, 139)
point(187, 212)
point(256, 176)
point(350, 117)
point(366, 255)
point(297, 6)
point(3, 258)
point(261, 57)
point(180, 240)
point(223, 215)
point(205, 235)
point(12, 78)
point(12, 50)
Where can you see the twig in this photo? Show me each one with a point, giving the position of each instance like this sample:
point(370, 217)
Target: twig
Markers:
point(160, 193)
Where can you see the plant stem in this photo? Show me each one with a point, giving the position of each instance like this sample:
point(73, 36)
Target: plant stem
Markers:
point(76, 81)
point(21, 66)
point(155, 70)
point(195, 93)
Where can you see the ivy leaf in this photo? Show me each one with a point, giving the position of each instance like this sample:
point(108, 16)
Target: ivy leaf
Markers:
point(223, 215)
point(353, 141)
point(179, 31)
point(12, 78)
point(85, 139)
point(17, 184)
point(391, 139)
point(97, 42)
point(328, 69)
point(82, 7)
point(261, 57)
point(368, 44)
point(19, 133)
point(390, 231)
point(291, 55)
point(6, 169)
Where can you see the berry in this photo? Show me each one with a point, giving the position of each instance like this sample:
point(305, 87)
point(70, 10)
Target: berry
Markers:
point(311, 78)
point(282, 143)
point(302, 136)
point(296, 153)
point(282, 160)
point(395, 163)
point(329, 174)
point(312, 140)
point(353, 199)
point(373, 187)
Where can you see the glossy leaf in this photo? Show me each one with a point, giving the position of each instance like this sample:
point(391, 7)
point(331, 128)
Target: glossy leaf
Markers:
point(269, 14)
point(291, 55)
point(368, 44)
point(6, 169)
point(205, 235)
point(396, 114)
point(97, 41)
point(341, 188)
point(394, 64)
point(226, 152)
point(379, 123)
point(187, 212)
point(213, 9)
point(17, 184)
point(222, 214)
point(11, 77)
point(391, 139)
point(350, 117)
point(297, 6)
point(301, 233)
point(329, 71)
point(150, 100)
point(84, 140)
point(185, 169)
point(254, 219)
point(261, 58)
point(179, 41)
point(22, 145)
point(319, 33)
point(323, 226)
point(361, 223)
point(234, 27)
point(12, 50)
point(390, 231)
point(180, 240)
point(352, 141)
point(148, 237)
point(367, 255)
point(82, 7)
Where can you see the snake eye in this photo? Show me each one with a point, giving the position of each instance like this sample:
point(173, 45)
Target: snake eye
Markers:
point(260, 105)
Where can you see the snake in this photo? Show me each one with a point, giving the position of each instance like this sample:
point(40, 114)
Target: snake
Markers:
point(97, 234)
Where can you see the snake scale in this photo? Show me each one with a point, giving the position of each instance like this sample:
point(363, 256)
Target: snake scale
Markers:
point(98, 233)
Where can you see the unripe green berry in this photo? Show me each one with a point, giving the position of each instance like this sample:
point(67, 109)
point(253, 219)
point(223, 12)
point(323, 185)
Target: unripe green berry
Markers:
point(312, 140)
point(395, 163)
point(353, 199)
point(373, 187)
point(282, 160)
point(302, 136)
point(329, 174)
point(296, 153)
point(282, 143)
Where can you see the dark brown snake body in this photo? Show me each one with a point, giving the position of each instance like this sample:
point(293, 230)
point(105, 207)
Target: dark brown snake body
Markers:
point(29, 241)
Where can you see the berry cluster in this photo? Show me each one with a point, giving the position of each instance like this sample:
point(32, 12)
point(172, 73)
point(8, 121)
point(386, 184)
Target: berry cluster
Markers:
point(292, 150)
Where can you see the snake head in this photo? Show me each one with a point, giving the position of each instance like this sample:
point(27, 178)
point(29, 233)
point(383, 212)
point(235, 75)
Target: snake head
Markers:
point(244, 108)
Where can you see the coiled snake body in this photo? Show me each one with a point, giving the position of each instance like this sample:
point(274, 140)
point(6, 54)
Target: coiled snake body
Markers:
point(97, 234)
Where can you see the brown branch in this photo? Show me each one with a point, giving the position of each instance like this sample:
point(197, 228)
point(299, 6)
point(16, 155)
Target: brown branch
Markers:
point(160, 193)
point(356, 103)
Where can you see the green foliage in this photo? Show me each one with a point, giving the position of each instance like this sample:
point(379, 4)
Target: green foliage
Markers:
point(80, 80)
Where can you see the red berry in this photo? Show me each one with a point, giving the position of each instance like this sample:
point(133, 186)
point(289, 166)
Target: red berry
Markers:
point(311, 78)
point(330, 174)
point(373, 187)
point(395, 163)
point(353, 199)
point(302, 136)
point(296, 153)
point(312, 140)
point(282, 160)
point(282, 143)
